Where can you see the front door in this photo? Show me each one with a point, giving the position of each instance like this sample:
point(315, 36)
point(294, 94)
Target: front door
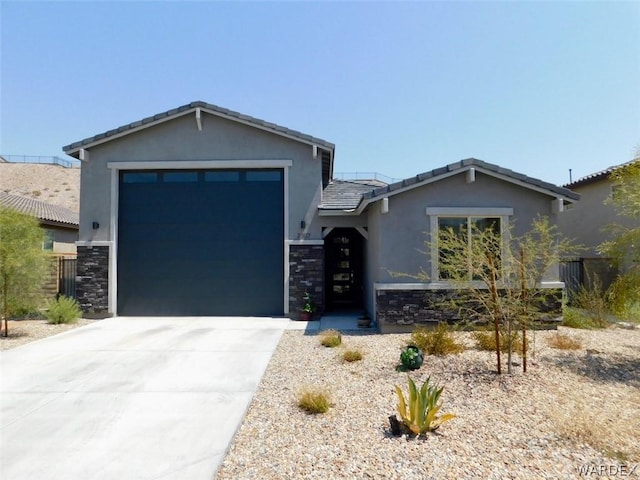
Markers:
point(344, 255)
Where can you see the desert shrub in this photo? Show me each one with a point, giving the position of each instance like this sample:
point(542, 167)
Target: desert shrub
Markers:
point(486, 340)
point(63, 310)
point(352, 355)
point(594, 302)
point(575, 318)
point(330, 338)
point(437, 341)
point(562, 341)
point(624, 296)
point(314, 401)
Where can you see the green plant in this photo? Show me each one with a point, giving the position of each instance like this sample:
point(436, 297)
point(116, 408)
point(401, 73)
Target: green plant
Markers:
point(352, 355)
point(411, 357)
point(308, 306)
point(314, 401)
point(593, 301)
point(562, 341)
point(575, 318)
point(486, 340)
point(419, 412)
point(624, 296)
point(63, 310)
point(330, 338)
point(23, 263)
point(437, 341)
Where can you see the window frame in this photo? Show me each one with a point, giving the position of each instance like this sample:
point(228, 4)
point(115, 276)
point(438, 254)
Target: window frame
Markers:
point(435, 213)
point(48, 240)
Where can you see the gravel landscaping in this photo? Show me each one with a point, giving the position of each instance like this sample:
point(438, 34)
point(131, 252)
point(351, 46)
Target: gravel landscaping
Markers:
point(25, 331)
point(572, 410)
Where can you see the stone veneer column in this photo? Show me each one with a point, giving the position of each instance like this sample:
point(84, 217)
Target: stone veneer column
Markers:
point(306, 273)
point(92, 280)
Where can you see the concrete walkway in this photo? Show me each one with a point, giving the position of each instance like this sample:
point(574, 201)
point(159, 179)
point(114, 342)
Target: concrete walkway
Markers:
point(131, 398)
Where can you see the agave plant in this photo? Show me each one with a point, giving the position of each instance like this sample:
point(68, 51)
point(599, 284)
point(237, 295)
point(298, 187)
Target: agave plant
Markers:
point(421, 414)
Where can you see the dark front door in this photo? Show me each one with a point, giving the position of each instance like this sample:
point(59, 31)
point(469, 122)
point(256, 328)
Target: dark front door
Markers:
point(344, 255)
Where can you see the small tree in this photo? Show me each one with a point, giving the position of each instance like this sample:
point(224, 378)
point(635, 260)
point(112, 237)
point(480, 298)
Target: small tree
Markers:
point(23, 263)
point(500, 274)
point(624, 248)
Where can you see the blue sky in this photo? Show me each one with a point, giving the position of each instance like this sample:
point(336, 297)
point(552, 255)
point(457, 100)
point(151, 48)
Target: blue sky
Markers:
point(400, 88)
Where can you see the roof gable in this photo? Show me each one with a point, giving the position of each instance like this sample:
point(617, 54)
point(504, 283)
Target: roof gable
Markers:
point(374, 194)
point(42, 210)
point(197, 107)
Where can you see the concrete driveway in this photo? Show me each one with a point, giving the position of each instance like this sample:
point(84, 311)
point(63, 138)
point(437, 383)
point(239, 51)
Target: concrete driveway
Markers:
point(131, 398)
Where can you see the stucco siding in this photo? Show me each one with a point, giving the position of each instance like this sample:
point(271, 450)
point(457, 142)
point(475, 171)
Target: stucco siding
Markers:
point(586, 222)
point(179, 140)
point(405, 228)
point(64, 241)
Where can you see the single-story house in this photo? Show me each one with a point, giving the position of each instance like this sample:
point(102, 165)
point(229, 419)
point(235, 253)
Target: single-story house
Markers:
point(586, 223)
point(200, 210)
point(60, 224)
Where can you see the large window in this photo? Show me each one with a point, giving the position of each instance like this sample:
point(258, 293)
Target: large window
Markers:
point(457, 232)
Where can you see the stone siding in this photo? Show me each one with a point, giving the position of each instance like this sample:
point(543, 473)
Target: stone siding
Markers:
point(306, 273)
point(92, 280)
point(402, 310)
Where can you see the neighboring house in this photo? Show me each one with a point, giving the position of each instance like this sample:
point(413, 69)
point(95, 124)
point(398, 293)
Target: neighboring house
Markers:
point(204, 211)
point(587, 221)
point(60, 227)
point(59, 223)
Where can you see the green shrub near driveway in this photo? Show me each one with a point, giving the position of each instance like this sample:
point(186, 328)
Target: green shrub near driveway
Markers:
point(63, 310)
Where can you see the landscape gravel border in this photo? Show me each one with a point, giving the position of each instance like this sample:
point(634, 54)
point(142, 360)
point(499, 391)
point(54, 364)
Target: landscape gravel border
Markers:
point(571, 412)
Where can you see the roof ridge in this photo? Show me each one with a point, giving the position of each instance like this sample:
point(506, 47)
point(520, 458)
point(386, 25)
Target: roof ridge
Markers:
point(471, 162)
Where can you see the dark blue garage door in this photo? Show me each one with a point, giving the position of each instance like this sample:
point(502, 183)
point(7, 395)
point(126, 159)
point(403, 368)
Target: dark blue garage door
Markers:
point(201, 242)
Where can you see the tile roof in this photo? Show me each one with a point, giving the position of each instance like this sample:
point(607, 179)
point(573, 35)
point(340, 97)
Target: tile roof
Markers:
point(41, 210)
point(72, 149)
point(463, 165)
point(599, 175)
point(346, 194)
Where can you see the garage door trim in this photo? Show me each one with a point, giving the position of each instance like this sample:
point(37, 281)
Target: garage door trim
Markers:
point(116, 167)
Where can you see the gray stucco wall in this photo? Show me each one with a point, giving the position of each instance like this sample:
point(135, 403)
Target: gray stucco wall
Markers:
point(400, 234)
point(180, 140)
point(586, 221)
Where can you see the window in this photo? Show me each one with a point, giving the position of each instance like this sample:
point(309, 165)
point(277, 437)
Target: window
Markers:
point(466, 224)
point(222, 176)
point(180, 177)
point(263, 176)
point(140, 177)
point(47, 242)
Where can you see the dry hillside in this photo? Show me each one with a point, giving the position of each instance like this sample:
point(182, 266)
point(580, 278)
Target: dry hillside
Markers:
point(49, 183)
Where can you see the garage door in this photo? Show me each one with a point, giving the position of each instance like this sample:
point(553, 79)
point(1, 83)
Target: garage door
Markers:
point(201, 242)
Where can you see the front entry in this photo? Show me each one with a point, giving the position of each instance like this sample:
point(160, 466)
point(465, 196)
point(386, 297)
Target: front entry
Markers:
point(344, 260)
